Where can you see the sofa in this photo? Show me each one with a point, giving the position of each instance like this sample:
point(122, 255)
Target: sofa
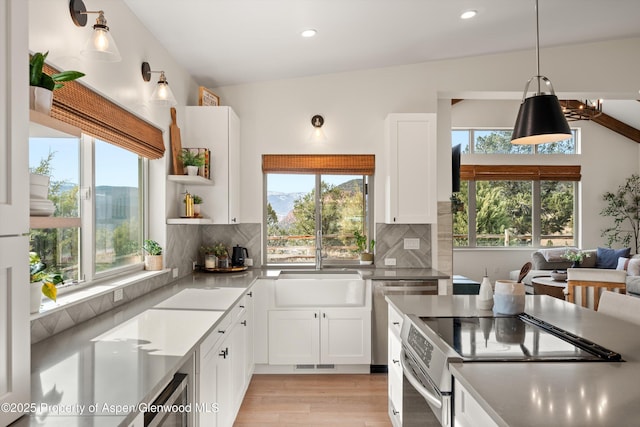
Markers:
point(544, 261)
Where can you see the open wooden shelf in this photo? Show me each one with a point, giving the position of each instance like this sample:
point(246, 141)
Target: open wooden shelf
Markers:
point(188, 179)
point(189, 221)
point(53, 222)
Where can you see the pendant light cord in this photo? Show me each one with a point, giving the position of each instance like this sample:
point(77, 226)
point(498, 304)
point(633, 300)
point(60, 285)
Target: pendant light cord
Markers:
point(538, 48)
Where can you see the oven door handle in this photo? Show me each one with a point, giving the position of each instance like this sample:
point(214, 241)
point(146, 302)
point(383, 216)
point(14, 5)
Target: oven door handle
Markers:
point(430, 397)
point(409, 288)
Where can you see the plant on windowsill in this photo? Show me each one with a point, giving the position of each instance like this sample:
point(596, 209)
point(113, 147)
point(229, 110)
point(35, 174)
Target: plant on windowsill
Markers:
point(42, 85)
point(365, 255)
point(153, 255)
point(191, 161)
point(42, 281)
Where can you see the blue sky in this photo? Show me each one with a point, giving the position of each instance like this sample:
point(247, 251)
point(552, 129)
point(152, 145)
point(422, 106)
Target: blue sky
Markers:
point(294, 183)
point(115, 166)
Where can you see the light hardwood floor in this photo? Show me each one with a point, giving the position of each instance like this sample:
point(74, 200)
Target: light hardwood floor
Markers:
point(315, 400)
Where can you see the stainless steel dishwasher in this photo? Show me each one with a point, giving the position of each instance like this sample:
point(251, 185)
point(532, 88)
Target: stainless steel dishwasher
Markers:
point(382, 288)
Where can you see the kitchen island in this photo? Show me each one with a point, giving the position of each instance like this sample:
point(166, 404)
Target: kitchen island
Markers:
point(548, 393)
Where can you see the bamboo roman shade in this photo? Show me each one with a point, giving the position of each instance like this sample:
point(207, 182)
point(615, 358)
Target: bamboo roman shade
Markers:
point(519, 173)
point(336, 164)
point(80, 106)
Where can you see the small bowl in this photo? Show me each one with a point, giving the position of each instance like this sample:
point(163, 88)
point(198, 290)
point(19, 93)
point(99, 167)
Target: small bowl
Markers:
point(559, 275)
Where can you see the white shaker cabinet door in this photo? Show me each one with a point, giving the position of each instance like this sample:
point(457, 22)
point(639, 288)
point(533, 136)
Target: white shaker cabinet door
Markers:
point(411, 188)
point(14, 119)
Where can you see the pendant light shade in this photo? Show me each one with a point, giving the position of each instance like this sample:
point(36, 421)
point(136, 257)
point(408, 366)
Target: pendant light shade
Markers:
point(540, 118)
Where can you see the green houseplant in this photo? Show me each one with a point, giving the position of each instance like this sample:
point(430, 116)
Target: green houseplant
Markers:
point(153, 255)
point(365, 254)
point(42, 85)
point(191, 161)
point(42, 281)
point(623, 206)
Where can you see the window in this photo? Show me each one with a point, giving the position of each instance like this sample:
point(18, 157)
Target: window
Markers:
point(308, 197)
point(96, 188)
point(513, 205)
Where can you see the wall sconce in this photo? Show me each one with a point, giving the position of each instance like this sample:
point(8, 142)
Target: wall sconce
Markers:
point(100, 45)
point(317, 135)
point(162, 94)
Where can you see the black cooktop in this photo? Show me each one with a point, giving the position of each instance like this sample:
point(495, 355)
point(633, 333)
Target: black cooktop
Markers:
point(522, 337)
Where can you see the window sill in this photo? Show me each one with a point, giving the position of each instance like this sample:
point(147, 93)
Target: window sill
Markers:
point(80, 296)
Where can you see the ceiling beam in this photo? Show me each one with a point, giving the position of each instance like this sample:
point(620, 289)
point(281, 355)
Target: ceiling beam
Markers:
point(611, 123)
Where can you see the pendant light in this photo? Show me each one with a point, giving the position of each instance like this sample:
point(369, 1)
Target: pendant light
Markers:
point(100, 46)
point(162, 94)
point(540, 118)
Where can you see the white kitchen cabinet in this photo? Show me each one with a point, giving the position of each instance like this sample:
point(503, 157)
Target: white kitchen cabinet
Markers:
point(218, 129)
point(320, 336)
point(260, 291)
point(410, 186)
point(15, 346)
point(225, 367)
point(467, 410)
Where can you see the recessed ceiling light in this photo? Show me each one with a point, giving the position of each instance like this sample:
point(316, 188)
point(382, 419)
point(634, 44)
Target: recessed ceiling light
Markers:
point(468, 14)
point(309, 33)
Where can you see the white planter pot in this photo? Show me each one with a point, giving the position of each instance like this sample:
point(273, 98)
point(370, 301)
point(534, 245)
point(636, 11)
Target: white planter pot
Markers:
point(39, 186)
point(153, 262)
point(196, 210)
point(40, 99)
point(36, 296)
point(192, 170)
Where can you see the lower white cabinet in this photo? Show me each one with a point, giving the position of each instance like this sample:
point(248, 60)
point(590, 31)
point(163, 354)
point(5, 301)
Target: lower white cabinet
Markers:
point(226, 366)
point(320, 336)
point(467, 411)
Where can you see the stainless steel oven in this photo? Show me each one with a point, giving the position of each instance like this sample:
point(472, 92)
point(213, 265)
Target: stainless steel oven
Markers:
point(379, 326)
point(170, 408)
point(429, 344)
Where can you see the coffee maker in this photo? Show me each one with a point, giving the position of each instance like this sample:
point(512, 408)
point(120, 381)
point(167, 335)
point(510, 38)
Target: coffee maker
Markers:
point(238, 256)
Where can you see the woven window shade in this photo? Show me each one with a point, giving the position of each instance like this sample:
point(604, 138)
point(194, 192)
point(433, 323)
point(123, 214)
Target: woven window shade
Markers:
point(519, 173)
point(336, 164)
point(80, 106)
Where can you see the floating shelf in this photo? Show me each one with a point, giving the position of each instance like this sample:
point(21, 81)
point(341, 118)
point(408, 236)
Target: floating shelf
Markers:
point(189, 221)
point(188, 179)
point(43, 125)
point(53, 222)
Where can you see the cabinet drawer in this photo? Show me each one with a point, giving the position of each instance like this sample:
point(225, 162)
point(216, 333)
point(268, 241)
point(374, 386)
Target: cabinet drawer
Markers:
point(394, 356)
point(239, 309)
point(395, 321)
point(215, 336)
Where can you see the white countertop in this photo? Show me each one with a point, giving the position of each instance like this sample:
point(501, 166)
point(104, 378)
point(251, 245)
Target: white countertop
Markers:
point(543, 393)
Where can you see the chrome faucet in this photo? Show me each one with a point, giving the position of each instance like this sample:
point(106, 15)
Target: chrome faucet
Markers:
point(319, 250)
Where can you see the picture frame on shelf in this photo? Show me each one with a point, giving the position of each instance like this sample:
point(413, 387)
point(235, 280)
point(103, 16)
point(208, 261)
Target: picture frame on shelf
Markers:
point(207, 98)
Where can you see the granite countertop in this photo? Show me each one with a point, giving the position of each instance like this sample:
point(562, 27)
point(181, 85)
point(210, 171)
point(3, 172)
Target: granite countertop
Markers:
point(549, 393)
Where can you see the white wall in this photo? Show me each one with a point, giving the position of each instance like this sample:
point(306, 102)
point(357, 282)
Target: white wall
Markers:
point(51, 29)
point(275, 119)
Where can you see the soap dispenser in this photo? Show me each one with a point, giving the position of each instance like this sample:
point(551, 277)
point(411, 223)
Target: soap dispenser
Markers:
point(485, 296)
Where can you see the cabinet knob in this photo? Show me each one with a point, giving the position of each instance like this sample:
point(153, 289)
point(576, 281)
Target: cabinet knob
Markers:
point(395, 412)
point(397, 362)
point(243, 323)
point(315, 315)
point(250, 294)
point(241, 306)
point(220, 331)
point(396, 323)
point(324, 315)
point(233, 220)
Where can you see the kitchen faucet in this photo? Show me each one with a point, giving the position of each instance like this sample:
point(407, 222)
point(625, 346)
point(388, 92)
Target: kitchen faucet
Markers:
point(319, 250)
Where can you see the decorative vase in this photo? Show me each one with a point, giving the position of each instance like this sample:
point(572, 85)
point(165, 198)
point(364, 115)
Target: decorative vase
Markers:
point(192, 170)
point(153, 262)
point(40, 99)
point(36, 296)
point(223, 262)
point(196, 210)
point(576, 264)
point(39, 186)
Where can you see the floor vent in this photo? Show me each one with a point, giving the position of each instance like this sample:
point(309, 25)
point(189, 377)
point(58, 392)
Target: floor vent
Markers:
point(305, 366)
point(326, 366)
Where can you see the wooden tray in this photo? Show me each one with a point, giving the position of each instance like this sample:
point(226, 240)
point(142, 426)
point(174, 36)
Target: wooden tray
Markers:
point(224, 270)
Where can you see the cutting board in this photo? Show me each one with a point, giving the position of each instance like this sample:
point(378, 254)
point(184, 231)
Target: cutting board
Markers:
point(176, 144)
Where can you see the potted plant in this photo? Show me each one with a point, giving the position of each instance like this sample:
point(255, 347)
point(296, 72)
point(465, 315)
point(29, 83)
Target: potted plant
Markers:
point(197, 201)
point(191, 161)
point(42, 85)
point(42, 282)
point(365, 254)
point(576, 257)
point(153, 255)
point(222, 254)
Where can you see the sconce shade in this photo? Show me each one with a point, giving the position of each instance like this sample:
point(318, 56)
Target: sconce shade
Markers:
point(162, 94)
point(101, 46)
point(540, 120)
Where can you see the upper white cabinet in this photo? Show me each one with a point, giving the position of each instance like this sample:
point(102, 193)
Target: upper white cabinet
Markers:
point(218, 129)
point(410, 187)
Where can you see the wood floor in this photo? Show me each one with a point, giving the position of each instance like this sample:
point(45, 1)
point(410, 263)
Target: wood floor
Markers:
point(315, 400)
